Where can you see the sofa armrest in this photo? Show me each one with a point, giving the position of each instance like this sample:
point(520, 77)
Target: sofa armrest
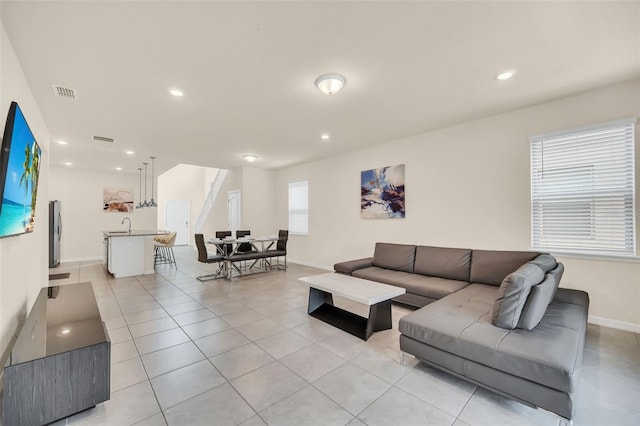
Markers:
point(353, 265)
point(574, 297)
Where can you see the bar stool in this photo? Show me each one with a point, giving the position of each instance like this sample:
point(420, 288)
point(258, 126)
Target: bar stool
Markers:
point(163, 250)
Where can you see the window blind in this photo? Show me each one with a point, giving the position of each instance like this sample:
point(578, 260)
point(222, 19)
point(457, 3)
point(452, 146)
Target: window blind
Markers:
point(582, 190)
point(299, 207)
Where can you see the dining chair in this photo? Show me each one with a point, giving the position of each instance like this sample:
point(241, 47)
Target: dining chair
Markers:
point(224, 248)
point(244, 247)
point(205, 257)
point(280, 250)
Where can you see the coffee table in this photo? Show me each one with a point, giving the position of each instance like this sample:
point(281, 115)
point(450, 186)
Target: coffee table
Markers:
point(377, 295)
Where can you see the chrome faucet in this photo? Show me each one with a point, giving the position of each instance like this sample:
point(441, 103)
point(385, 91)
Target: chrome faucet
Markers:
point(127, 218)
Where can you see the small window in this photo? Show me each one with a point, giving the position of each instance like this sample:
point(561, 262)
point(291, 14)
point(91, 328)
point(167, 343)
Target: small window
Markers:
point(299, 208)
point(582, 190)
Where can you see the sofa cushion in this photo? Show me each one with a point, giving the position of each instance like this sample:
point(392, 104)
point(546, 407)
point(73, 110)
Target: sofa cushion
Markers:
point(539, 298)
point(452, 263)
point(461, 324)
point(399, 257)
point(513, 293)
point(432, 287)
point(491, 267)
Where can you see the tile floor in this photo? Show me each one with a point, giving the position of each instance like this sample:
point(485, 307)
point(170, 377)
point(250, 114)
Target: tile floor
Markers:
point(245, 352)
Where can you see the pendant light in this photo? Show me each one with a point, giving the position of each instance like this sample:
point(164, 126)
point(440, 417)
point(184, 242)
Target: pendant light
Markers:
point(146, 203)
point(152, 203)
point(139, 206)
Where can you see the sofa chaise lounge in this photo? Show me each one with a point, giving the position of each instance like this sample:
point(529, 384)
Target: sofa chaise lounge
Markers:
point(494, 318)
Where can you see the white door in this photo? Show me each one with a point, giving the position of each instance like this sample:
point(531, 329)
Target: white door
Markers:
point(176, 219)
point(233, 210)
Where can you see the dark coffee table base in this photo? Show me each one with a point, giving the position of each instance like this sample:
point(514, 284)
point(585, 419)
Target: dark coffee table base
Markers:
point(321, 307)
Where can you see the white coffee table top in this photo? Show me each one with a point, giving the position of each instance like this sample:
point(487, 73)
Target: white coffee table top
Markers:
point(356, 289)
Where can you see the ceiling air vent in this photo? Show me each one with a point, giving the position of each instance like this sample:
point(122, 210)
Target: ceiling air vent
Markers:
point(64, 92)
point(102, 139)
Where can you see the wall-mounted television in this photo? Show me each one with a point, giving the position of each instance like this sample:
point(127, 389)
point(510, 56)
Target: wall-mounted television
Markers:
point(19, 172)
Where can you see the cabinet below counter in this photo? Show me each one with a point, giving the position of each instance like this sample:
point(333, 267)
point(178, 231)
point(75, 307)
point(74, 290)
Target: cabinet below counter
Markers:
point(130, 253)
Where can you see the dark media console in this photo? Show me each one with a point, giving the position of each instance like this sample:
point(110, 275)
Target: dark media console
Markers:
point(60, 363)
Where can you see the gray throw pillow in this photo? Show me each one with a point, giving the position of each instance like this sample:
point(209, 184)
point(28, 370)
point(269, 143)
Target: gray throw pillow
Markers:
point(513, 293)
point(545, 261)
point(539, 298)
point(557, 275)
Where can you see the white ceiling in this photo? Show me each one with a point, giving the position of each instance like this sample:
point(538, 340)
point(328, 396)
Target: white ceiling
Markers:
point(248, 71)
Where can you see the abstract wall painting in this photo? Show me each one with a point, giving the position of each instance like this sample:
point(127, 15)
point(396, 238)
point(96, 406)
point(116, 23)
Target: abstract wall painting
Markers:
point(118, 200)
point(382, 193)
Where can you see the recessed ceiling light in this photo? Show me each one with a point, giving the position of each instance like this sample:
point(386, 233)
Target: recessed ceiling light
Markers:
point(129, 152)
point(176, 92)
point(330, 84)
point(62, 142)
point(118, 168)
point(68, 163)
point(325, 136)
point(506, 75)
point(250, 157)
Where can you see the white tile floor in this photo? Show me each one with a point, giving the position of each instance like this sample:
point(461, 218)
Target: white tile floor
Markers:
point(245, 352)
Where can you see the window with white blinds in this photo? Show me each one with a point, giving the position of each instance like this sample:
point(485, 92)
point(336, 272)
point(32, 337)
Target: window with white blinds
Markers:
point(582, 190)
point(299, 207)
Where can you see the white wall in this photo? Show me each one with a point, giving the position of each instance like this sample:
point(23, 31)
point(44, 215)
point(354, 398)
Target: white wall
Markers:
point(24, 258)
point(80, 192)
point(467, 186)
point(258, 201)
point(187, 183)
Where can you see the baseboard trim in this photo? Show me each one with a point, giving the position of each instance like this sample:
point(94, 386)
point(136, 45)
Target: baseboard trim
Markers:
point(620, 325)
point(83, 259)
point(311, 264)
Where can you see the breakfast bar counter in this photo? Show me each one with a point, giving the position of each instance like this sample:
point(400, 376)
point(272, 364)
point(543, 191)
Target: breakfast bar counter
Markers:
point(130, 253)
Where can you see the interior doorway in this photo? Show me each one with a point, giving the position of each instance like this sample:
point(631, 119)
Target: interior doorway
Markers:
point(234, 210)
point(176, 219)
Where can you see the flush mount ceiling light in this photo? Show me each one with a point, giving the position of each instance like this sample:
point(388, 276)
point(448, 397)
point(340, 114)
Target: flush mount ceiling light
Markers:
point(68, 163)
point(118, 168)
point(62, 142)
point(250, 157)
point(506, 75)
point(129, 152)
point(325, 136)
point(330, 84)
point(176, 92)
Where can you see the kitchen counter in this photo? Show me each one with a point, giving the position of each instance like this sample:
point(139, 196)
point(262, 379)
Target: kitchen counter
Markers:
point(133, 233)
point(130, 253)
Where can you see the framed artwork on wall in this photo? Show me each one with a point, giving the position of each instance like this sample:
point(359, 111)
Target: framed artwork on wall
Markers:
point(382, 193)
point(117, 200)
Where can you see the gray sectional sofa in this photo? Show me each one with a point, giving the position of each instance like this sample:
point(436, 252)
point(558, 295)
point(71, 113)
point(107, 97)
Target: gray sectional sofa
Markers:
point(495, 318)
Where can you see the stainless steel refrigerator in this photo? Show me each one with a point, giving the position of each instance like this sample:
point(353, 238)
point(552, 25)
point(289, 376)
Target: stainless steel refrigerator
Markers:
point(55, 232)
